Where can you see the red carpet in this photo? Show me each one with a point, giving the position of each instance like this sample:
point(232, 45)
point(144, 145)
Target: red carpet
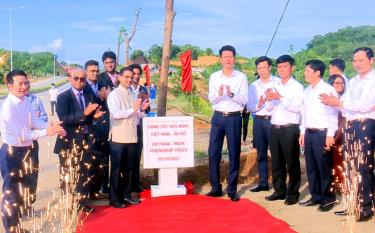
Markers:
point(185, 214)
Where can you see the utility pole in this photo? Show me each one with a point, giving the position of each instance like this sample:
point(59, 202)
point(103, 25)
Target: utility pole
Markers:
point(10, 31)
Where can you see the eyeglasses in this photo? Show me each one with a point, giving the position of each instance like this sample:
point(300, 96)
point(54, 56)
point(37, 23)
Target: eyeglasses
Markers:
point(19, 84)
point(81, 79)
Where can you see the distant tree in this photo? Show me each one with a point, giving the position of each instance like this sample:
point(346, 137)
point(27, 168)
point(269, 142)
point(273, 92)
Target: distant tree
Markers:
point(129, 37)
point(175, 50)
point(209, 51)
point(136, 53)
point(155, 53)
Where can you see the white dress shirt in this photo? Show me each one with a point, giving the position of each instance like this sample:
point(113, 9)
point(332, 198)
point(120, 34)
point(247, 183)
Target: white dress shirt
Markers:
point(115, 109)
point(53, 93)
point(359, 98)
point(94, 87)
point(256, 90)
point(287, 109)
point(19, 125)
point(314, 113)
point(238, 86)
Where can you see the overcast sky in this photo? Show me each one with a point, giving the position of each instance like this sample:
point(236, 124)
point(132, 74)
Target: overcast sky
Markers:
point(82, 30)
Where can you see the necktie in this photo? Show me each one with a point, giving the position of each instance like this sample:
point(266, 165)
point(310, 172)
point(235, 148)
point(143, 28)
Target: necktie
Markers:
point(81, 105)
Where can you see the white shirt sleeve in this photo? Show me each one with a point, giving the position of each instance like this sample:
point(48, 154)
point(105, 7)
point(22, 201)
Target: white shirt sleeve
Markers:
point(114, 107)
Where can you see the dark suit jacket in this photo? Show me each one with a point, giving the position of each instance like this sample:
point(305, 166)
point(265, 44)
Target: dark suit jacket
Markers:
point(74, 122)
point(105, 81)
point(101, 126)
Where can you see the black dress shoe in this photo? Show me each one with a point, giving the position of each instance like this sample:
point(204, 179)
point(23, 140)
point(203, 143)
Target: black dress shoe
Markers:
point(290, 201)
point(215, 194)
point(364, 217)
point(341, 212)
point(326, 207)
point(259, 189)
point(87, 209)
point(131, 201)
point(310, 202)
point(118, 205)
point(234, 197)
point(275, 196)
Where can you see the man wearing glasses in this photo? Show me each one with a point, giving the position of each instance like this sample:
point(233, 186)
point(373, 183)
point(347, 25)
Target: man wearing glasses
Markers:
point(19, 126)
point(76, 108)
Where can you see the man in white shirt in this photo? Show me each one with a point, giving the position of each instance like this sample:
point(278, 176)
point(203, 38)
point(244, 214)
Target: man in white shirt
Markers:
point(287, 98)
point(125, 110)
point(140, 92)
point(337, 66)
point(228, 91)
point(262, 110)
point(318, 127)
point(53, 93)
point(358, 105)
point(19, 126)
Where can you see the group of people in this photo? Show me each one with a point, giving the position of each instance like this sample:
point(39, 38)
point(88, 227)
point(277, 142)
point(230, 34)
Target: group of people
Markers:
point(94, 112)
point(331, 122)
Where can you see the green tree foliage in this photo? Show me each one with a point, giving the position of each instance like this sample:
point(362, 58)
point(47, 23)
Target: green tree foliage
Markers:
point(34, 64)
point(136, 53)
point(209, 52)
point(155, 53)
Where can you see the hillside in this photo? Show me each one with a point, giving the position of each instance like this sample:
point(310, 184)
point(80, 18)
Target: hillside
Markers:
point(341, 43)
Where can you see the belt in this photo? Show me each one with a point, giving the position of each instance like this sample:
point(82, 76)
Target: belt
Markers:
point(264, 117)
point(237, 113)
point(283, 126)
point(361, 120)
point(10, 147)
point(315, 130)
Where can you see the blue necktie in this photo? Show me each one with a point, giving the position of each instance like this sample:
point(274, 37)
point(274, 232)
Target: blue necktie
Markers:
point(81, 105)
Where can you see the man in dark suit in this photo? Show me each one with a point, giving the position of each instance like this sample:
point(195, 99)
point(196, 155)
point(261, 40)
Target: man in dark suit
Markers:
point(109, 77)
point(76, 109)
point(100, 165)
point(140, 92)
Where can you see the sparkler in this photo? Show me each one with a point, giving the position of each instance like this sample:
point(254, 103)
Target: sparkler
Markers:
point(63, 214)
point(353, 159)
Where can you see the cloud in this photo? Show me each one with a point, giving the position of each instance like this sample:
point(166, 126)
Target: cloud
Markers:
point(100, 26)
point(115, 19)
point(56, 44)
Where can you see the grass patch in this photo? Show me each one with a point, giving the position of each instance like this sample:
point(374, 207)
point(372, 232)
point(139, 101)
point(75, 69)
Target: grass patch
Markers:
point(192, 104)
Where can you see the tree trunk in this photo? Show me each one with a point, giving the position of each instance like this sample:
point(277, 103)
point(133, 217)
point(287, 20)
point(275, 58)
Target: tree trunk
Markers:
point(127, 61)
point(163, 81)
point(129, 37)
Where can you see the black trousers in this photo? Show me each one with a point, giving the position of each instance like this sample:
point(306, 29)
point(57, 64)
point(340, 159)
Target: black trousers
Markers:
point(262, 137)
point(100, 167)
point(16, 177)
point(285, 160)
point(245, 124)
point(32, 178)
point(319, 166)
point(136, 160)
point(120, 170)
point(53, 107)
point(78, 168)
point(221, 126)
point(362, 133)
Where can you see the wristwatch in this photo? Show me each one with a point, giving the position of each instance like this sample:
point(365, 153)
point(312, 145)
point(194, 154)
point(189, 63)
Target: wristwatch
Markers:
point(231, 95)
